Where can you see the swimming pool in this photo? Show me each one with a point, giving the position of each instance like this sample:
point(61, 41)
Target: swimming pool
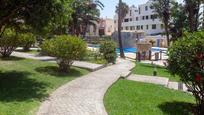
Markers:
point(134, 50)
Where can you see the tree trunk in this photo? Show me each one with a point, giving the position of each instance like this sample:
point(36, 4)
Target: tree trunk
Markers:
point(200, 108)
point(64, 65)
point(85, 29)
point(203, 17)
point(167, 33)
point(119, 31)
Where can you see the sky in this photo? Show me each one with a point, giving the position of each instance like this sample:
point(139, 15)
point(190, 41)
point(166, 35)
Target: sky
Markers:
point(109, 9)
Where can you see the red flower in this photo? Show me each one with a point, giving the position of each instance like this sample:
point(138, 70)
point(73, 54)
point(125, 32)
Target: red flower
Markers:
point(198, 77)
point(199, 56)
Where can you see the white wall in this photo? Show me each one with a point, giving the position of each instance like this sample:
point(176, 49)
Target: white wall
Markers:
point(134, 12)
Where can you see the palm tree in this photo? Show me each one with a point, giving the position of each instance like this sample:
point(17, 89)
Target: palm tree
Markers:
point(122, 10)
point(178, 22)
point(162, 8)
point(85, 13)
point(192, 9)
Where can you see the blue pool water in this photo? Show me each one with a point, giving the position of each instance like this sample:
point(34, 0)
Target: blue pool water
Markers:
point(129, 50)
point(134, 50)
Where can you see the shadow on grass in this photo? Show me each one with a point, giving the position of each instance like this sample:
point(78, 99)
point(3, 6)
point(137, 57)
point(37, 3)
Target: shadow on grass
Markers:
point(17, 86)
point(11, 58)
point(54, 71)
point(177, 108)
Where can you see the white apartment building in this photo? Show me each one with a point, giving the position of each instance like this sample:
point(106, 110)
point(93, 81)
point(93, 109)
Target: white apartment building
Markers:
point(141, 18)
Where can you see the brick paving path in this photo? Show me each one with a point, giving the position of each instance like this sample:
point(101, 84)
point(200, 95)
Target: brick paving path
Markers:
point(84, 96)
point(159, 81)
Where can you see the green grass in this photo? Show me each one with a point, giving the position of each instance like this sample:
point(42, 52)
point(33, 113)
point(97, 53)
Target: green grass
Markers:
point(147, 69)
point(25, 83)
point(135, 98)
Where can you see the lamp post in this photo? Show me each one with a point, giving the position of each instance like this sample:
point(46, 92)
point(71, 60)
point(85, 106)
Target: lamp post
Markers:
point(119, 30)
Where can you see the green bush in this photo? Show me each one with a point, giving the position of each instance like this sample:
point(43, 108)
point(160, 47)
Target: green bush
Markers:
point(27, 40)
point(186, 59)
point(9, 41)
point(108, 49)
point(94, 57)
point(66, 49)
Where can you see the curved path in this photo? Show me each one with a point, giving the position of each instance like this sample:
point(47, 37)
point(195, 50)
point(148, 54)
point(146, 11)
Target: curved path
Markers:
point(84, 96)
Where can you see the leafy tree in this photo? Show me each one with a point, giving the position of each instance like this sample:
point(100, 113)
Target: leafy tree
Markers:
point(66, 49)
point(192, 8)
point(36, 13)
point(108, 49)
point(186, 59)
point(162, 8)
point(85, 13)
point(9, 42)
point(27, 40)
point(178, 22)
point(122, 9)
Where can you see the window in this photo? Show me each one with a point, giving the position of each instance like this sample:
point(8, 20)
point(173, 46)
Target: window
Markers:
point(115, 21)
point(130, 19)
point(126, 20)
point(153, 17)
point(143, 17)
point(126, 28)
point(151, 7)
point(147, 27)
point(147, 17)
point(141, 27)
point(154, 26)
point(146, 8)
point(130, 12)
point(138, 27)
point(139, 10)
point(136, 10)
point(136, 18)
point(162, 26)
point(132, 27)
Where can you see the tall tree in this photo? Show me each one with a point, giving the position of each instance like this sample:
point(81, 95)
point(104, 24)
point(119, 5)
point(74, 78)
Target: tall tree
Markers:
point(122, 9)
point(162, 8)
point(192, 8)
point(178, 22)
point(34, 13)
point(86, 12)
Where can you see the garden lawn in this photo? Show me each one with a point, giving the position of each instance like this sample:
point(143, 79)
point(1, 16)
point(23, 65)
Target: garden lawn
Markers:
point(135, 98)
point(147, 69)
point(25, 83)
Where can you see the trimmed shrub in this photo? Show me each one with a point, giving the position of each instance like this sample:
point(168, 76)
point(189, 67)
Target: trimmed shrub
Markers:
point(108, 49)
point(27, 40)
point(186, 59)
point(66, 49)
point(9, 41)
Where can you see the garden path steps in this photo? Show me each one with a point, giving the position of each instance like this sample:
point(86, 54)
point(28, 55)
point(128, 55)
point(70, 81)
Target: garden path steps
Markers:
point(81, 64)
point(84, 95)
point(159, 81)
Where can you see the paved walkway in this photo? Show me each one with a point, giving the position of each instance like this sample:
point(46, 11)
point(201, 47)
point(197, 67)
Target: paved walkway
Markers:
point(159, 81)
point(84, 96)
point(81, 64)
point(148, 79)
